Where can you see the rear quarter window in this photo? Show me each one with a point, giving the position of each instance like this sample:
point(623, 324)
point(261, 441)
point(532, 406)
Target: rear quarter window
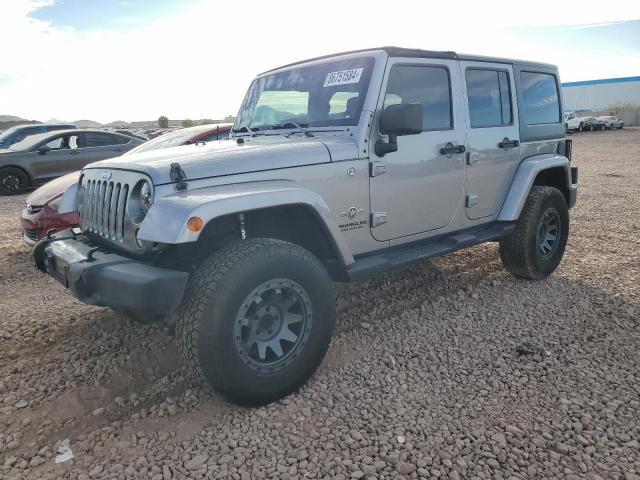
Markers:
point(541, 102)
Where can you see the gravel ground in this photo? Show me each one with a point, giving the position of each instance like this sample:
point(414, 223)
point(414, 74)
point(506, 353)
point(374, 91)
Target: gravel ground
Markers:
point(451, 369)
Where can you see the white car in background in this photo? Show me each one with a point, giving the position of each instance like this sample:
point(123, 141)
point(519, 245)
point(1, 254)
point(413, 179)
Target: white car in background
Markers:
point(573, 122)
point(611, 121)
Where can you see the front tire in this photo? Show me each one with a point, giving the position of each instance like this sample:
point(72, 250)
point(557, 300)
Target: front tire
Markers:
point(257, 320)
point(13, 181)
point(536, 246)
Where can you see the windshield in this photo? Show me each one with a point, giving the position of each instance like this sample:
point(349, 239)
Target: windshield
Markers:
point(324, 95)
point(7, 134)
point(29, 142)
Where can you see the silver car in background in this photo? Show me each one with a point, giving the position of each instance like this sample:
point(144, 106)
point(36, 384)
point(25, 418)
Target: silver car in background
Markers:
point(43, 157)
point(611, 122)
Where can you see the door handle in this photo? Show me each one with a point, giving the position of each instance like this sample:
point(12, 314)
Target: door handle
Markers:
point(507, 144)
point(450, 148)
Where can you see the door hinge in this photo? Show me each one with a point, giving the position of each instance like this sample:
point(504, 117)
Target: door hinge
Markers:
point(472, 200)
point(377, 168)
point(378, 218)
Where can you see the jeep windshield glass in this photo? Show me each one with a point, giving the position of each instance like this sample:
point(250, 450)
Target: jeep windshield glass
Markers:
point(324, 95)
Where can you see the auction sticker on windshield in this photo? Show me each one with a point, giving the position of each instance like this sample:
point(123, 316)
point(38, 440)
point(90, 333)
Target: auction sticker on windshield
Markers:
point(343, 77)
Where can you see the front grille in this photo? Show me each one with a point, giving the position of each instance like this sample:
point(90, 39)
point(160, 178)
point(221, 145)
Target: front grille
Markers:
point(106, 209)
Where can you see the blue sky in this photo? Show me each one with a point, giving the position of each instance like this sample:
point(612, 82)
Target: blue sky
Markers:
point(132, 60)
point(121, 15)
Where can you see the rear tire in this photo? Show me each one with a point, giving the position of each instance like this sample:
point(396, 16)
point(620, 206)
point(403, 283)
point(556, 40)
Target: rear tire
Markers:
point(536, 246)
point(580, 127)
point(13, 181)
point(256, 320)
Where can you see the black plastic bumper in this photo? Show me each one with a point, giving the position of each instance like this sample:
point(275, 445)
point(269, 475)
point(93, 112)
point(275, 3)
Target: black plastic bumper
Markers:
point(109, 279)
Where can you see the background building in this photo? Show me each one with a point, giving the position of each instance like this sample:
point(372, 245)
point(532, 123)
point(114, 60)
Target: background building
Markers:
point(601, 94)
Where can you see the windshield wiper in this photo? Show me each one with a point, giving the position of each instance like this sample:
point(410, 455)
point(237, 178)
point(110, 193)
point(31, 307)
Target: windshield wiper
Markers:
point(244, 129)
point(290, 124)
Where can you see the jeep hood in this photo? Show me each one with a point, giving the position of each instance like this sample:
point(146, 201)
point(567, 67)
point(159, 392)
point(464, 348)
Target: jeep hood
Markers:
point(228, 157)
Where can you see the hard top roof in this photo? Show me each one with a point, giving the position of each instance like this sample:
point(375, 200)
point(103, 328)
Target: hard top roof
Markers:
point(419, 53)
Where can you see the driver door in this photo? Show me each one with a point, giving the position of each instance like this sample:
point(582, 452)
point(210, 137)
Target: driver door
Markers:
point(65, 156)
point(418, 188)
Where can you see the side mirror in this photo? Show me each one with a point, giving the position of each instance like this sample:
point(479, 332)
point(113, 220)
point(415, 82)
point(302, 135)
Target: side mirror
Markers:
point(44, 149)
point(397, 120)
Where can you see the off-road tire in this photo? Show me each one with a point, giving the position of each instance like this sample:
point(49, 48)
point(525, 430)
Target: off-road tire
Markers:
point(519, 251)
point(215, 293)
point(581, 127)
point(13, 181)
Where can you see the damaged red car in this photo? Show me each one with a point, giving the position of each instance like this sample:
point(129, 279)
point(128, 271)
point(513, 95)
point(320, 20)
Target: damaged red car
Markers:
point(41, 212)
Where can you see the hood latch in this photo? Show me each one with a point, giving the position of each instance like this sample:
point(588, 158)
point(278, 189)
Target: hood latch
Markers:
point(178, 177)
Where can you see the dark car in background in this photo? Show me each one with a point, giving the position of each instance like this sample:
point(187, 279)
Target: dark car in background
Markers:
point(592, 123)
point(132, 134)
point(43, 157)
point(20, 132)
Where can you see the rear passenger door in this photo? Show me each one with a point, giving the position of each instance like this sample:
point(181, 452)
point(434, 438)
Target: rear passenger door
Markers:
point(493, 137)
point(102, 145)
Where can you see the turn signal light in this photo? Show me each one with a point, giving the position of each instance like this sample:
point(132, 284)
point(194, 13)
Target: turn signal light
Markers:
point(195, 224)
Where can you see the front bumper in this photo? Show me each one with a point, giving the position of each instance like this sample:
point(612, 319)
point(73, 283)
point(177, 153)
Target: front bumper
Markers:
point(107, 279)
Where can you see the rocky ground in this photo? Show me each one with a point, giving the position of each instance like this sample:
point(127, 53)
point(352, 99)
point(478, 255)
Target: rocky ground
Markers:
point(451, 369)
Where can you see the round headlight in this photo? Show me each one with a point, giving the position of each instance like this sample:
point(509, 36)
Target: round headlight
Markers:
point(145, 197)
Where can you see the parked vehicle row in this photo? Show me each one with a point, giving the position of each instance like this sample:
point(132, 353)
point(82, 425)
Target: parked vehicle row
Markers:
point(18, 133)
point(40, 215)
point(45, 156)
point(577, 123)
point(337, 168)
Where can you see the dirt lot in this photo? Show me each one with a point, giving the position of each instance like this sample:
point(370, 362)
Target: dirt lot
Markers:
point(451, 369)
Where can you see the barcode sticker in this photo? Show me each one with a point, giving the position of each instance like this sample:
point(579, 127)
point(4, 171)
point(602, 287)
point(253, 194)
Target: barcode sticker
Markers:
point(343, 77)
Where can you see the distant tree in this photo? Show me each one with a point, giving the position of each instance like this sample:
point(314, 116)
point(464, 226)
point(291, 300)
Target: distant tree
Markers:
point(207, 121)
point(187, 123)
point(229, 119)
point(621, 107)
point(163, 122)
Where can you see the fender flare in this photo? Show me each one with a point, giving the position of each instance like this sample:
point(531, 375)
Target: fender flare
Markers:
point(523, 180)
point(166, 221)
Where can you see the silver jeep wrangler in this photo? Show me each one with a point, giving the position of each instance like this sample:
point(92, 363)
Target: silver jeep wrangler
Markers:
point(337, 168)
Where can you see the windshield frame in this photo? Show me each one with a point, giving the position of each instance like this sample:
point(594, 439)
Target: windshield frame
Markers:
point(369, 96)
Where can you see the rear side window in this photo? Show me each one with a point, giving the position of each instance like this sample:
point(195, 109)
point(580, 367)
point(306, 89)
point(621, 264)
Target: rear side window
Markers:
point(119, 139)
point(540, 98)
point(98, 139)
point(429, 86)
point(489, 98)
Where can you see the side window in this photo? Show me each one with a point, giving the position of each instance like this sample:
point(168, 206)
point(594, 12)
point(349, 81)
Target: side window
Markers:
point(55, 144)
point(93, 139)
point(540, 98)
point(429, 86)
point(66, 142)
point(489, 98)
